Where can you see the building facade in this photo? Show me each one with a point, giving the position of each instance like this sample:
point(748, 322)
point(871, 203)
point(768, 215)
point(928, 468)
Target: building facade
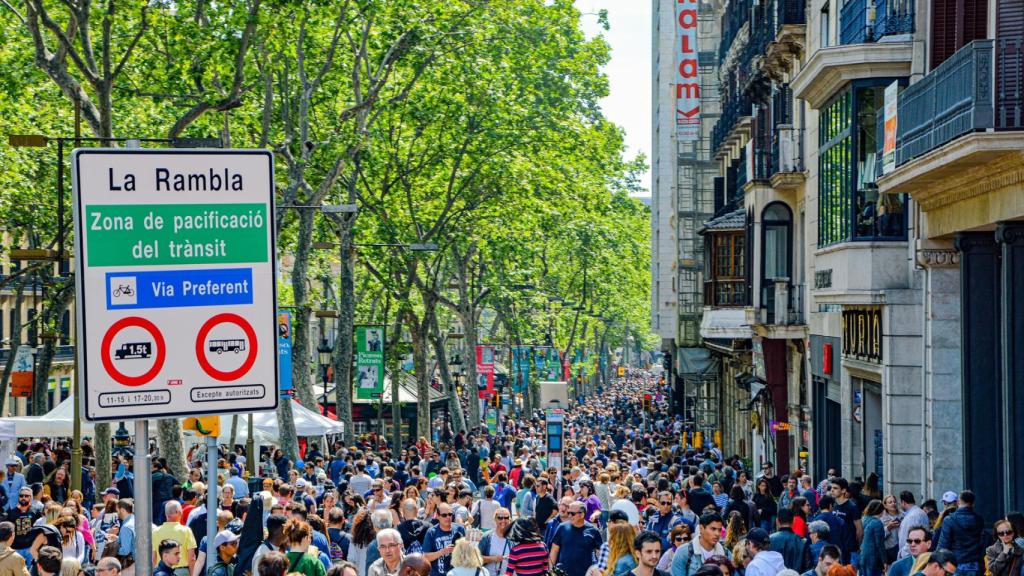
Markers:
point(863, 277)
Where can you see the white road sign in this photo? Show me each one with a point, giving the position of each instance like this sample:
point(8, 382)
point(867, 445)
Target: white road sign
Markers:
point(175, 272)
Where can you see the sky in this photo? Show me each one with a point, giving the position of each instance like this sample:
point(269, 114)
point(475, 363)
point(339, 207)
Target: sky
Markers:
point(629, 72)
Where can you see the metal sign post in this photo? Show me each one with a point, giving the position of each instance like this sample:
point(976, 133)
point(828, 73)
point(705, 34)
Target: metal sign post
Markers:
point(555, 433)
point(211, 501)
point(143, 500)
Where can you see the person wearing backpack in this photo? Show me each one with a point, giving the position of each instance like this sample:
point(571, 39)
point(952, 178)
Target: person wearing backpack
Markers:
point(299, 536)
point(275, 539)
point(338, 540)
point(689, 558)
point(225, 545)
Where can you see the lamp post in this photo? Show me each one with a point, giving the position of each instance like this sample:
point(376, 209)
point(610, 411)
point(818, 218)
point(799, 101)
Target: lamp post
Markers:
point(325, 351)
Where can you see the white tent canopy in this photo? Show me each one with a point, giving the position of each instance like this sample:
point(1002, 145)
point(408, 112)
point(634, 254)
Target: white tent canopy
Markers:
point(60, 422)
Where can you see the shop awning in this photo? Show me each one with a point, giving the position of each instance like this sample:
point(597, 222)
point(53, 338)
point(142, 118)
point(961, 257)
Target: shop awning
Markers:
point(731, 323)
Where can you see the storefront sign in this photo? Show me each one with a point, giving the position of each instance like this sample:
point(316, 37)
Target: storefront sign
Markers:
point(862, 333)
point(687, 77)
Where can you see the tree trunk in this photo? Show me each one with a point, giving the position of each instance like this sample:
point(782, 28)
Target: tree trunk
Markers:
point(419, 352)
point(469, 327)
point(300, 334)
point(168, 440)
point(101, 444)
point(44, 359)
point(286, 420)
point(234, 433)
point(346, 326)
point(454, 405)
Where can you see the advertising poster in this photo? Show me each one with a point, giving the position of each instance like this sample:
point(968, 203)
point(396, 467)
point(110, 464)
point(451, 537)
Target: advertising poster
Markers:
point(369, 362)
point(687, 77)
point(284, 352)
point(485, 371)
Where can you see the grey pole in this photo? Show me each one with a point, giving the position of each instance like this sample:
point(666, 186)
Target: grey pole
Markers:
point(143, 500)
point(211, 500)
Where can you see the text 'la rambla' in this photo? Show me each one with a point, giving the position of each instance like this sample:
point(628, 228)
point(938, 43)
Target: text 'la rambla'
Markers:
point(212, 180)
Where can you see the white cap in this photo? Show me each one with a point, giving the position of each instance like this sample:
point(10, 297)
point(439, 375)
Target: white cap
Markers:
point(224, 537)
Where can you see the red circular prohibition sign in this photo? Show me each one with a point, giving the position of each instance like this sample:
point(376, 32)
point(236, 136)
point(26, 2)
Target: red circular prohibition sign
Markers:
point(158, 341)
point(201, 350)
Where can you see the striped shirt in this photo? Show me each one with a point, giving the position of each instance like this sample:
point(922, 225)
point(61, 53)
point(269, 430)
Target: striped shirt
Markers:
point(529, 559)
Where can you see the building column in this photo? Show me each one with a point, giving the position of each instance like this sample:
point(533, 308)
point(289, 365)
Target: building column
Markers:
point(943, 462)
point(1010, 236)
point(981, 369)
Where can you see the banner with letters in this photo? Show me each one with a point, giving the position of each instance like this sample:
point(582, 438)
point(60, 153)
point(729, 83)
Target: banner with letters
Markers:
point(369, 362)
point(485, 371)
point(687, 77)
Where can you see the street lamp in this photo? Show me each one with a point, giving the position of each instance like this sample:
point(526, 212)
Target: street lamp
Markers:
point(325, 351)
point(123, 443)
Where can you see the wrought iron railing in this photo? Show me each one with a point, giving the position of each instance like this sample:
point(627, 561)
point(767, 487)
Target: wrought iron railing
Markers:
point(737, 13)
point(953, 99)
point(783, 12)
point(733, 109)
point(893, 17)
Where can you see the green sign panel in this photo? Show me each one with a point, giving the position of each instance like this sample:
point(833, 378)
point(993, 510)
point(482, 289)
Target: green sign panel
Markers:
point(369, 362)
point(169, 234)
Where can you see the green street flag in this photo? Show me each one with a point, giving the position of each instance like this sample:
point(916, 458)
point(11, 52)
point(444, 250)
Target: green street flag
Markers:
point(369, 362)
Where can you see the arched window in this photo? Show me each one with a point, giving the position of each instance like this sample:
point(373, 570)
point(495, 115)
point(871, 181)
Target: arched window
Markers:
point(777, 224)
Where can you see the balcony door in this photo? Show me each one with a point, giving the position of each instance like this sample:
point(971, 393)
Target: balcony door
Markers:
point(956, 23)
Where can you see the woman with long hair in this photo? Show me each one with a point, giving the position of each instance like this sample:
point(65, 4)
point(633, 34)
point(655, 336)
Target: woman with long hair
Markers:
point(767, 508)
point(299, 536)
point(363, 534)
point(590, 499)
point(678, 537)
point(72, 542)
point(528, 556)
point(621, 559)
point(801, 508)
point(738, 503)
point(891, 518)
point(871, 560)
point(735, 530)
point(1004, 558)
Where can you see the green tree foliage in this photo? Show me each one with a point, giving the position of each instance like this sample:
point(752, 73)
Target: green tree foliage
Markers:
point(474, 125)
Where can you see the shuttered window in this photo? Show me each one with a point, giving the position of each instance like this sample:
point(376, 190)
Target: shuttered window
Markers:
point(956, 23)
point(1009, 64)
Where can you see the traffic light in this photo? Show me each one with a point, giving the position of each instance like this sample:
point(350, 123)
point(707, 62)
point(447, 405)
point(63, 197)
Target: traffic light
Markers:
point(647, 403)
point(496, 400)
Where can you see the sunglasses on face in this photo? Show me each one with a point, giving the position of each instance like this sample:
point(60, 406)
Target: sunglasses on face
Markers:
point(680, 539)
point(502, 517)
point(575, 513)
point(666, 503)
point(914, 540)
point(1005, 533)
point(447, 515)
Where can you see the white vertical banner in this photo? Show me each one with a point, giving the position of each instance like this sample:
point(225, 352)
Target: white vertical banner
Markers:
point(687, 77)
point(891, 119)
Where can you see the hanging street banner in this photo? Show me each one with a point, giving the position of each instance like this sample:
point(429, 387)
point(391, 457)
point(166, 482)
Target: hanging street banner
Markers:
point(889, 142)
point(485, 371)
point(687, 77)
point(284, 352)
point(369, 362)
point(521, 367)
point(553, 366)
point(176, 282)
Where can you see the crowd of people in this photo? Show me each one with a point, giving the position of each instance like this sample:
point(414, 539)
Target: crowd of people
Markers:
point(630, 499)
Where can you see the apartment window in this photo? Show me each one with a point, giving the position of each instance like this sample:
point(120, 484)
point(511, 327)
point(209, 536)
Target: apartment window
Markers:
point(33, 331)
point(777, 222)
point(849, 204)
point(65, 328)
point(726, 285)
